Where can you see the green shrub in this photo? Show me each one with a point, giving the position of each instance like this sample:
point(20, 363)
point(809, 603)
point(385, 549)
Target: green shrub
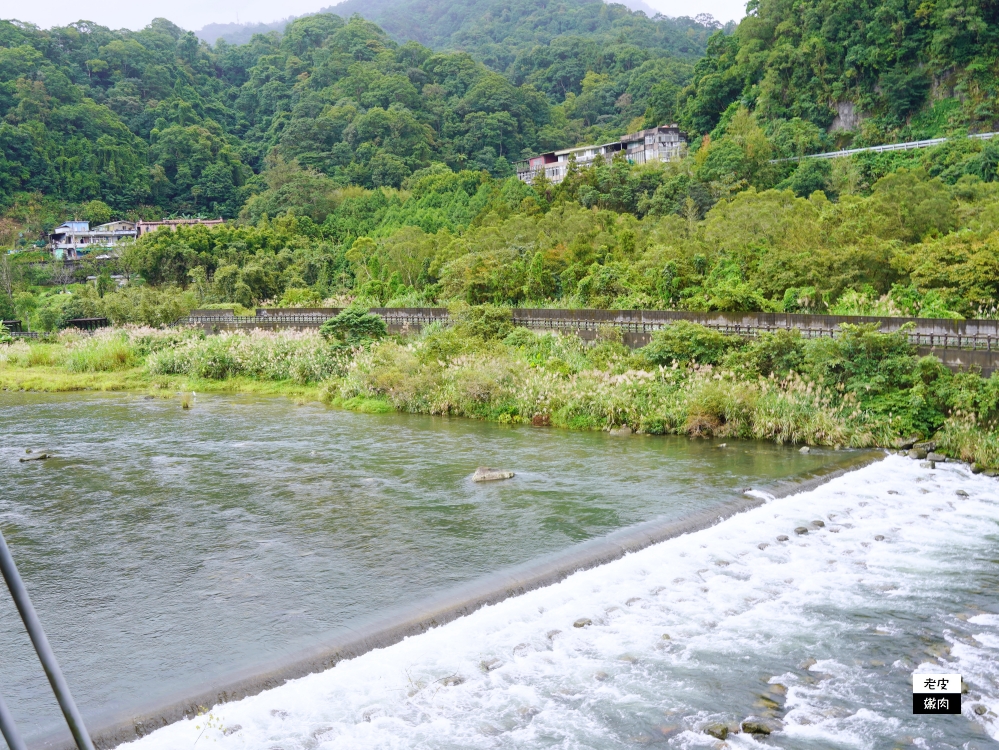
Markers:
point(685, 342)
point(776, 353)
point(354, 326)
point(486, 322)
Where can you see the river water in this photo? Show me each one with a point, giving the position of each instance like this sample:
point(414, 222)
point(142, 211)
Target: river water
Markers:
point(818, 635)
point(165, 548)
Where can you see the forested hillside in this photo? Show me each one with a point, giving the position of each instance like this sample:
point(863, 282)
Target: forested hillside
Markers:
point(881, 71)
point(507, 36)
point(157, 122)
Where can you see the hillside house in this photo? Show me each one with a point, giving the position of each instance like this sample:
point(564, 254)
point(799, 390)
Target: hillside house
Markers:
point(75, 239)
point(663, 143)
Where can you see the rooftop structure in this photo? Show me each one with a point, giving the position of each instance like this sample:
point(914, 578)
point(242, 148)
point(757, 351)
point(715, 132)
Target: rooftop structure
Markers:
point(151, 226)
point(663, 143)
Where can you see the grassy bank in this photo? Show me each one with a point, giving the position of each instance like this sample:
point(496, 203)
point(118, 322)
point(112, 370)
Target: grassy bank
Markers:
point(862, 389)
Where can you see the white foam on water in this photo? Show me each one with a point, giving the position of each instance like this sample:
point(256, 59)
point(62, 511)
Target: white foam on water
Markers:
point(833, 618)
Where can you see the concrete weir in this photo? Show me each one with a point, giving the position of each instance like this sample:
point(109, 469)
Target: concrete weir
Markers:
point(392, 627)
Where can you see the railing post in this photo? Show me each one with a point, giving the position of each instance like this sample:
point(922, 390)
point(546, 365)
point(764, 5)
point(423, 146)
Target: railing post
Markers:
point(9, 730)
point(45, 654)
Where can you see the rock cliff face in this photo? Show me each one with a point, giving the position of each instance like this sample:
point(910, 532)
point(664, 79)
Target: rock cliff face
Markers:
point(848, 117)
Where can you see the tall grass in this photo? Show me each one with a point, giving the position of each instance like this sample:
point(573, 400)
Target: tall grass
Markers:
point(303, 357)
point(700, 401)
point(104, 351)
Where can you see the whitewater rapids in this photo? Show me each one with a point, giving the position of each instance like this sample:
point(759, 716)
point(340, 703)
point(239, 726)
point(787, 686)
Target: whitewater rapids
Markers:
point(817, 636)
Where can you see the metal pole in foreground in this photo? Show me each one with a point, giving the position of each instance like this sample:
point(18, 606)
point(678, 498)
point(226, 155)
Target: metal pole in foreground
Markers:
point(34, 627)
point(9, 730)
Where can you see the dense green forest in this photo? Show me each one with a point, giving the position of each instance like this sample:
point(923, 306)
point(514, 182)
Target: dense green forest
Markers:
point(155, 121)
point(874, 72)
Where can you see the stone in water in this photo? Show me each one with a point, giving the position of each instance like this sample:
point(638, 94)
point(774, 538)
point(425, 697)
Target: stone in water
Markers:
point(485, 474)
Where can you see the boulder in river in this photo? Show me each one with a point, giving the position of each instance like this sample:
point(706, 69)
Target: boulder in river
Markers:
point(35, 457)
point(485, 474)
point(931, 456)
point(818, 524)
point(622, 431)
point(782, 538)
point(961, 493)
point(927, 464)
point(918, 453)
point(719, 731)
point(906, 443)
point(804, 449)
point(927, 445)
point(582, 622)
point(801, 530)
point(757, 726)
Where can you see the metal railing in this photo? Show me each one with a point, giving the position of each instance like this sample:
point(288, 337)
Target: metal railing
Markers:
point(906, 146)
point(944, 334)
point(45, 654)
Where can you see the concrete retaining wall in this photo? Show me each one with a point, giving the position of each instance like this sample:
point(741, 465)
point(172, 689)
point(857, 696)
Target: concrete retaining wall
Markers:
point(958, 343)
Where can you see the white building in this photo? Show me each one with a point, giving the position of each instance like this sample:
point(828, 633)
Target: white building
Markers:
point(663, 143)
point(75, 239)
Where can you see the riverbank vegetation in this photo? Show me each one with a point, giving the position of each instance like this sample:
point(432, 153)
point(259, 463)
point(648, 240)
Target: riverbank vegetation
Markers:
point(861, 389)
point(914, 245)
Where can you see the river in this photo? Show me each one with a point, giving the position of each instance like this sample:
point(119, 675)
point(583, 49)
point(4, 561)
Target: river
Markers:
point(818, 635)
point(164, 548)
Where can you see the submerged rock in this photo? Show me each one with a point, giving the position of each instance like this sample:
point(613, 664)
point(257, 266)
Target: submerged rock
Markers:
point(719, 731)
point(621, 431)
point(927, 464)
point(804, 449)
point(782, 538)
point(35, 457)
point(879, 538)
point(485, 474)
point(488, 665)
point(452, 680)
point(818, 524)
point(757, 726)
point(582, 622)
point(961, 493)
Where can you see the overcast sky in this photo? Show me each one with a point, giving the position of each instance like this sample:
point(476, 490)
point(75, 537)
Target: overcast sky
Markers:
point(193, 14)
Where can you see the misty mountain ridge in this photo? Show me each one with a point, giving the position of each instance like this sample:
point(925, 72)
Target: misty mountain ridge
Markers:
point(241, 33)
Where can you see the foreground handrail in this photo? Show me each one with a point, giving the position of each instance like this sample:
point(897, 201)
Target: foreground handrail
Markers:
point(8, 729)
point(45, 654)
